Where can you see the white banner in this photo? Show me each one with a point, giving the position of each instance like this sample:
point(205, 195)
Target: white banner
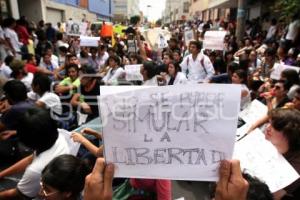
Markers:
point(177, 132)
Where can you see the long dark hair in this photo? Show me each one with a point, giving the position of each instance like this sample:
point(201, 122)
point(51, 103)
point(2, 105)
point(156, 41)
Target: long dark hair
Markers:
point(66, 173)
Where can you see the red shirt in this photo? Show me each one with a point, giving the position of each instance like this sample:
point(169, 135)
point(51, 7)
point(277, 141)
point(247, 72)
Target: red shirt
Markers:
point(23, 34)
point(162, 188)
point(31, 68)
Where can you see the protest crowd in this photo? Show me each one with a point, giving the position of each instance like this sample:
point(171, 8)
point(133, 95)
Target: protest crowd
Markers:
point(50, 78)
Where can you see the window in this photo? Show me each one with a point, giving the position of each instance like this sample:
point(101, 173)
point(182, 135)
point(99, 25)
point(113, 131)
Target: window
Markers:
point(186, 7)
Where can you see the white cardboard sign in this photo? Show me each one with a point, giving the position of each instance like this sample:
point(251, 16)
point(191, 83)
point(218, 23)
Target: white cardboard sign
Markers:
point(253, 112)
point(264, 161)
point(278, 68)
point(76, 28)
point(152, 37)
point(177, 132)
point(161, 41)
point(132, 46)
point(86, 41)
point(214, 40)
point(188, 36)
point(133, 73)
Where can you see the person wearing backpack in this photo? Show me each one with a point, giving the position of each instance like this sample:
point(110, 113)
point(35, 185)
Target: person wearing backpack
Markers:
point(197, 66)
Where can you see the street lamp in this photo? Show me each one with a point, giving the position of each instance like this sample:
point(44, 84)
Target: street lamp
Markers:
point(148, 8)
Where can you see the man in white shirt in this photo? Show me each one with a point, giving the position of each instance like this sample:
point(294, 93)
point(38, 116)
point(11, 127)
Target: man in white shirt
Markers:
point(5, 70)
point(102, 56)
point(197, 66)
point(12, 37)
point(293, 29)
point(54, 58)
point(38, 131)
point(3, 45)
point(49, 64)
point(272, 30)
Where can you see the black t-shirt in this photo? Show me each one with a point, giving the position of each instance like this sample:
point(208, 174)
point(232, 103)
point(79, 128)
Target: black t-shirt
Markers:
point(90, 97)
point(11, 118)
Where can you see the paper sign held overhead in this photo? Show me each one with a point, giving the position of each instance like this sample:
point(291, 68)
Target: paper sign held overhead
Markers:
point(162, 41)
point(89, 41)
point(188, 36)
point(177, 132)
point(278, 68)
point(76, 28)
point(214, 40)
point(152, 37)
point(133, 73)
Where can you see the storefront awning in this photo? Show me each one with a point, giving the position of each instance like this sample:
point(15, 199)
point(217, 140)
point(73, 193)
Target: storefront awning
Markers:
point(222, 4)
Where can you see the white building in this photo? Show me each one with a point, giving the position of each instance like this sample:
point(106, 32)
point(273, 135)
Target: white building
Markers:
point(124, 9)
point(176, 10)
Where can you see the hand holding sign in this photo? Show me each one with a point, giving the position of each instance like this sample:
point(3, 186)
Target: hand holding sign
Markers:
point(231, 185)
point(98, 184)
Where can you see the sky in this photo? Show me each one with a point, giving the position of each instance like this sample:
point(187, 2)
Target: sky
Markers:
point(155, 10)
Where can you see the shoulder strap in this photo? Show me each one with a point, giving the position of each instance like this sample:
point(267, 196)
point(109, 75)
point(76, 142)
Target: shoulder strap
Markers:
point(202, 63)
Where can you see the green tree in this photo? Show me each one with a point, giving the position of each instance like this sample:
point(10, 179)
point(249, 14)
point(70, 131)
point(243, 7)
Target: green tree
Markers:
point(285, 8)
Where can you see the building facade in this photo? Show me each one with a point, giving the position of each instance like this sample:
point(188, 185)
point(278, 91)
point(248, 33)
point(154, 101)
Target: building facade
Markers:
point(176, 10)
point(124, 9)
point(225, 9)
point(61, 10)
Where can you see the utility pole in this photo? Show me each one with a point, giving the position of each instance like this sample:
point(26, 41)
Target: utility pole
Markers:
point(241, 18)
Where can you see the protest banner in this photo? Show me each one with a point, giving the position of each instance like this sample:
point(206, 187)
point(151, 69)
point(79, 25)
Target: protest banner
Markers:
point(162, 41)
point(188, 36)
point(264, 161)
point(132, 46)
point(86, 41)
point(177, 132)
point(214, 40)
point(133, 73)
point(152, 36)
point(278, 68)
point(76, 28)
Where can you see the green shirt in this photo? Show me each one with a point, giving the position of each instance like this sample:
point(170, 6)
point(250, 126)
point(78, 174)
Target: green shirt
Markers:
point(67, 81)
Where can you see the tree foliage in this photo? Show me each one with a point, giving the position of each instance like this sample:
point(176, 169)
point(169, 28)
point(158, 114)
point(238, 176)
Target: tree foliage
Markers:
point(285, 8)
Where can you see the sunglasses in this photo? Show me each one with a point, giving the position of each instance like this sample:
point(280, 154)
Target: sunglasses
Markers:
point(277, 87)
